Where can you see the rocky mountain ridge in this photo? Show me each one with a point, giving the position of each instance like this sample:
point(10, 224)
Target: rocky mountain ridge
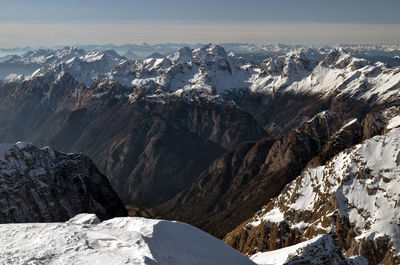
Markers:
point(248, 176)
point(353, 197)
point(43, 185)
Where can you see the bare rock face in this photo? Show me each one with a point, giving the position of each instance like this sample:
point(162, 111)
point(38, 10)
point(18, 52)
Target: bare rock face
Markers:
point(348, 135)
point(43, 185)
point(353, 197)
point(152, 151)
point(376, 122)
point(247, 177)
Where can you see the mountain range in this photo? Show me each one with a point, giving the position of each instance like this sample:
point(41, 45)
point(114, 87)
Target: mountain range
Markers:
point(226, 141)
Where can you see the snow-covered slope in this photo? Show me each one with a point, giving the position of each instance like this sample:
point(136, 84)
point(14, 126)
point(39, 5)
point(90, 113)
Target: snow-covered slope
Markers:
point(43, 185)
point(317, 251)
point(339, 74)
point(130, 240)
point(354, 197)
point(86, 67)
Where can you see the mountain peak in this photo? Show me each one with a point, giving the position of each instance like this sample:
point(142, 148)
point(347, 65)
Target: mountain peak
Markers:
point(333, 57)
point(210, 52)
point(184, 54)
point(215, 49)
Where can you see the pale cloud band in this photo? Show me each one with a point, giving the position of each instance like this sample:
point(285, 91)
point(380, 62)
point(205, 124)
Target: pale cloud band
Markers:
point(18, 34)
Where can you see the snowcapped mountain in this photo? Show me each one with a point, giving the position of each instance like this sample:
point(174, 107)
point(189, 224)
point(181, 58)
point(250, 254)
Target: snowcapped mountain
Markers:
point(38, 56)
point(47, 56)
point(339, 74)
point(206, 71)
point(130, 240)
point(210, 73)
point(354, 197)
point(45, 185)
point(85, 66)
point(210, 70)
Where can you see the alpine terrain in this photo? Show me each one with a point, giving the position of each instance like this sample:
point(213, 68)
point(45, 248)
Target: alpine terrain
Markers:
point(289, 153)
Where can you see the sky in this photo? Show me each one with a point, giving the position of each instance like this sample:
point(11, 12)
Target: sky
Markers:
point(48, 23)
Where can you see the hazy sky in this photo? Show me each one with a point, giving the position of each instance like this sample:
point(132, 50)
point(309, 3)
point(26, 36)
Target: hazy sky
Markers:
point(47, 23)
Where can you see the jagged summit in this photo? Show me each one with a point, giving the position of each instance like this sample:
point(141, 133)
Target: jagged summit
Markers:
point(210, 52)
point(338, 58)
point(184, 55)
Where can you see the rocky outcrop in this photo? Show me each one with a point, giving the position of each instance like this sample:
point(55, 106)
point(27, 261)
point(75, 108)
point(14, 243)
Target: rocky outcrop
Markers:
point(349, 134)
point(43, 185)
point(353, 198)
point(376, 122)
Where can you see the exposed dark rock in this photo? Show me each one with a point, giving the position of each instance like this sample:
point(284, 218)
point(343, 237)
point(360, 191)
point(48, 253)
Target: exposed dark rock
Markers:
point(149, 150)
point(43, 185)
point(376, 121)
point(244, 179)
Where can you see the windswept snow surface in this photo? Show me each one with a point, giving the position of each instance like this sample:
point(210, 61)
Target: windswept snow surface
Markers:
point(128, 240)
